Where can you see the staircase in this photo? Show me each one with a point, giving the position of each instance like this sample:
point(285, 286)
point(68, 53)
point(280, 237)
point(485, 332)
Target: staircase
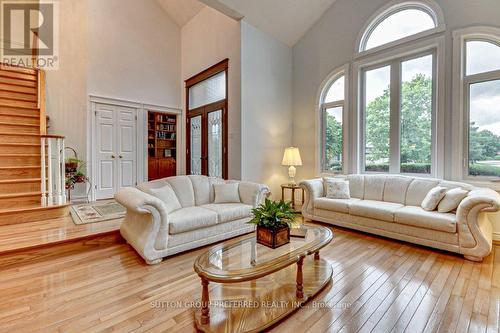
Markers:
point(23, 141)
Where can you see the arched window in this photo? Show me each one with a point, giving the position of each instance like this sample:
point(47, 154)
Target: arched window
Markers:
point(400, 22)
point(480, 101)
point(332, 112)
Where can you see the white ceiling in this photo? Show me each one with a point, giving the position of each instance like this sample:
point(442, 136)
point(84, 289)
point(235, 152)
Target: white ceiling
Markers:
point(181, 11)
point(286, 20)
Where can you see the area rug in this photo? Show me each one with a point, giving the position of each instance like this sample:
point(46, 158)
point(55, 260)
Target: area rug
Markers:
point(97, 212)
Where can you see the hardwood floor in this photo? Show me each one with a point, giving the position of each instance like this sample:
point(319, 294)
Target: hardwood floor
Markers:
point(15, 237)
point(379, 285)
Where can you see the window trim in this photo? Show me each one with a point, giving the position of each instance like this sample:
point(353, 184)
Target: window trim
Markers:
point(321, 120)
point(428, 6)
point(460, 96)
point(436, 46)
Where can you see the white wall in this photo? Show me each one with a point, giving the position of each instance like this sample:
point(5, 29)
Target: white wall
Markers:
point(330, 43)
point(266, 107)
point(207, 39)
point(114, 48)
point(134, 52)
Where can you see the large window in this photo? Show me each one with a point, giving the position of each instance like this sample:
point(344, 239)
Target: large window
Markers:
point(398, 107)
point(482, 107)
point(398, 22)
point(332, 111)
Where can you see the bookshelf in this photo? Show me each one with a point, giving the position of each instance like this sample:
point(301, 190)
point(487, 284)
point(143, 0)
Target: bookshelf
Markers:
point(162, 145)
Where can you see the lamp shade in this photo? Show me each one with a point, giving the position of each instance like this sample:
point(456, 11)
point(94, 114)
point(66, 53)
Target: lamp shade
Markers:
point(291, 156)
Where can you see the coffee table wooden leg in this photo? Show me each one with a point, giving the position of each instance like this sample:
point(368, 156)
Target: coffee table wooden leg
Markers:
point(316, 255)
point(205, 310)
point(300, 288)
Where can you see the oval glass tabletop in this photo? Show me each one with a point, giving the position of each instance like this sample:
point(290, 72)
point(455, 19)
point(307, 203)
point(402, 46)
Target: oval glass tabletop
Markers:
point(245, 259)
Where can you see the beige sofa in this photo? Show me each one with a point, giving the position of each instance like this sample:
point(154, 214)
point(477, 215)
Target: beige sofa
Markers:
point(389, 205)
point(190, 219)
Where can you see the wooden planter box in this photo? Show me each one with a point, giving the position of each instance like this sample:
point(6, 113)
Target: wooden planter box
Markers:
point(273, 238)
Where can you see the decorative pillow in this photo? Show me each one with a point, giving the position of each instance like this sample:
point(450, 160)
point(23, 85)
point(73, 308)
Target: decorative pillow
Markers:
point(433, 197)
point(451, 200)
point(336, 188)
point(167, 195)
point(227, 193)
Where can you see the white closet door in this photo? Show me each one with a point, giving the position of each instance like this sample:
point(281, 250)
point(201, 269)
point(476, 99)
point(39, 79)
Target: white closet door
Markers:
point(126, 147)
point(116, 149)
point(105, 146)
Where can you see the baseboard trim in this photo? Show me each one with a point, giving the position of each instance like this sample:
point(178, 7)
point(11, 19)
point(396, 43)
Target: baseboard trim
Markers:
point(496, 238)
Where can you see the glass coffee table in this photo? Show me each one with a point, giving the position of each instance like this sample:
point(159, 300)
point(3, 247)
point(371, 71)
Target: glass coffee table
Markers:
point(257, 286)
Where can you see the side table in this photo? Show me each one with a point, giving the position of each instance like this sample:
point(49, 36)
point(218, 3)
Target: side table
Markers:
point(293, 188)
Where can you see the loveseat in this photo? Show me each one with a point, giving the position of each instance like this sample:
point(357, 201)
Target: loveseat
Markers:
point(390, 206)
point(184, 216)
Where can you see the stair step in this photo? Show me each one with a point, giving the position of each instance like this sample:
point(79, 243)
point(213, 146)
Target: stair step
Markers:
point(18, 89)
point(20, 112)
point(19, 172)
point(19, 185)
point(18, 75)
point(24, 148)
point(19, 69)
point(17, 137)
point(21, 120)
point(20, 159)
point(8, 201)
point(25, 128)
point(31, 213)
point(18, 104)
point(18, 96)
point(22, 83)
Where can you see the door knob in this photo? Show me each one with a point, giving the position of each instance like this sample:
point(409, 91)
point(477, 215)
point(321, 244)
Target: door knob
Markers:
point(120, 156)
point(112, 156)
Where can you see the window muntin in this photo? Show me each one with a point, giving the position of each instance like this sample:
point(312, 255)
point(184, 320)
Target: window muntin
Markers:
point(481, 57)
point(332, 110)
point(377, 106)
point(484, 129)
point(397, 24)
point(416, 115)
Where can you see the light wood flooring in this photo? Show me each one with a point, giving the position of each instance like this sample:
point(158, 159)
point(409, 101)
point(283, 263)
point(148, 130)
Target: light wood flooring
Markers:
point(378, 285)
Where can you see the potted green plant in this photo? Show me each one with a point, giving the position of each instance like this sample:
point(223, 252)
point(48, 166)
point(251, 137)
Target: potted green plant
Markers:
point(273, 219)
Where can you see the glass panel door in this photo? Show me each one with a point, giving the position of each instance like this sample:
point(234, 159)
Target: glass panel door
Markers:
point(195, 146)
point(215, 144)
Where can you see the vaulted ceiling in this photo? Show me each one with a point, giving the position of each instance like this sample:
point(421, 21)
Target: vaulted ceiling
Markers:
point(285, 20)
point(181, 11)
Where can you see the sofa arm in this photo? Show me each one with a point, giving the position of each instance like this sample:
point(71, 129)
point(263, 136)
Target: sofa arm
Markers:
point(474, 226)
point(313, 189)
point(252, 194)
point(147, 218)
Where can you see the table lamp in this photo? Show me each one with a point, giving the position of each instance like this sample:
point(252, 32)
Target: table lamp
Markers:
point(292, 158)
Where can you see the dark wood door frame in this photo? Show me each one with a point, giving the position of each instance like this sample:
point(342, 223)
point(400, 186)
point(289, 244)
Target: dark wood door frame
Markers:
point(203, 111)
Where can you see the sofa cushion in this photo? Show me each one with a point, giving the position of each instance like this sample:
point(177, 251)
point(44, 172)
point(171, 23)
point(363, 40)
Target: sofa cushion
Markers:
point(356, 186)
point(395, 189)
point(201, 188)
point(418, 189)
point(213, 181)
point(191, 218)
point(167, 195)
point(433, 197)
point(228, 212)
point(183, 188)
point(336, 205)
point(374, 187)
point(335, 188)
point(379, 210)
point(451, 200)
point(227, 193)
point(419, 217)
